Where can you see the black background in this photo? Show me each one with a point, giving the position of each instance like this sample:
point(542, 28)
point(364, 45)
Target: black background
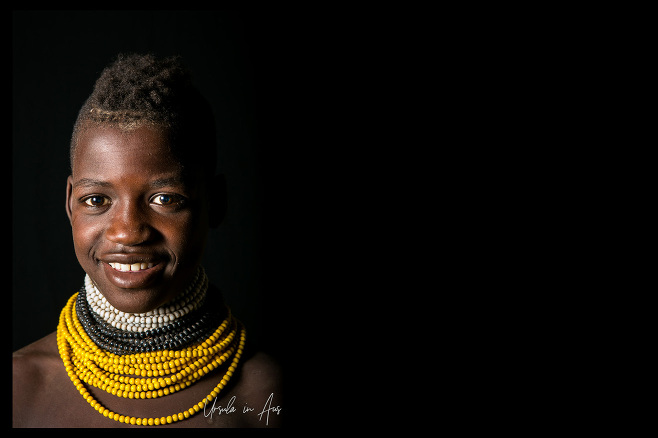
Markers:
point(301, 110)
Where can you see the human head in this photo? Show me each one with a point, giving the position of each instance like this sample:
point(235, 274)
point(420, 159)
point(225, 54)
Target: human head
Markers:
point(142, 187)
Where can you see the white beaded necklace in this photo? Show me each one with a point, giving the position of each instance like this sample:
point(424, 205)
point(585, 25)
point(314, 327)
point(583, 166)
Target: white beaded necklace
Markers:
point(180, 306)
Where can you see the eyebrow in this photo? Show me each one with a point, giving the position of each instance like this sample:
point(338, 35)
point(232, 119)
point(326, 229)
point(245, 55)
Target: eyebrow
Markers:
point(168, 181)
point(90, 182)
point(156, 183)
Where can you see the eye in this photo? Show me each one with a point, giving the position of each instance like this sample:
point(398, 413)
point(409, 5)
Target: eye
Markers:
point(165, 199)
point(96, 201)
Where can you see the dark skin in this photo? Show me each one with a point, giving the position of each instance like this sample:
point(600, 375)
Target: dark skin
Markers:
point(129, 201)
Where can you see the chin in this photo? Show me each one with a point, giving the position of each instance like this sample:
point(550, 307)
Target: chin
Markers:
point(136, 300)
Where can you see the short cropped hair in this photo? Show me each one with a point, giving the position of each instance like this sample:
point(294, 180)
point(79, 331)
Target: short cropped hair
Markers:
point(138, 90)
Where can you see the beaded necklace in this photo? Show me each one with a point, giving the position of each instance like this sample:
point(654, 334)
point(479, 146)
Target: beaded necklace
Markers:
point(158, 372)
point(186, 302)
point(177, 324)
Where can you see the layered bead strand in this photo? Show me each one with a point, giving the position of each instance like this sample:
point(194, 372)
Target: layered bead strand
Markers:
point(146, 375)
point(178, 334)
point(174, 325)
point(189, 300)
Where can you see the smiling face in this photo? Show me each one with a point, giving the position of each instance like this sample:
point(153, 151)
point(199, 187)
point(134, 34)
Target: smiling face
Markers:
point(129, 203)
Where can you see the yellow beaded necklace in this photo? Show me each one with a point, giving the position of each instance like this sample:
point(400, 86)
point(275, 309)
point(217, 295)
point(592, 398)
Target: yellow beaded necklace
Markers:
point(145, 375)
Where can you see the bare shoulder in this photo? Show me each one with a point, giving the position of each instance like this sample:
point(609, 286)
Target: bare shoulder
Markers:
point(261, 388)
point(36, 370)
point(33, 360)
point(262, 370)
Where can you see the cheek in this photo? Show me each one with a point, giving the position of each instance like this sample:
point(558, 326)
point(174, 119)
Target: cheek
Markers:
point(185, 236)
point(86, 235)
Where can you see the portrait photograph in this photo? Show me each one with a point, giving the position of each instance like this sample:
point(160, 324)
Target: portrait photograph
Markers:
point(140, 199)
point(201, 216)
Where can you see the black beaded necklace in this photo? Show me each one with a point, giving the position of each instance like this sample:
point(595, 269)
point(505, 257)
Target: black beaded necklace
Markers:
point(184, 331)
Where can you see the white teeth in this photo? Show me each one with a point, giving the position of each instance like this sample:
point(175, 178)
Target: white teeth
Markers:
point(133, 267)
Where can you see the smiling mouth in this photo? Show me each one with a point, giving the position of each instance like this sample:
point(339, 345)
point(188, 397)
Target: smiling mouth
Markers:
point(134, 267)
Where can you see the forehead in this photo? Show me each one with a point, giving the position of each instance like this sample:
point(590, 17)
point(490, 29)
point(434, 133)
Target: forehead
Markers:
point(109, 152)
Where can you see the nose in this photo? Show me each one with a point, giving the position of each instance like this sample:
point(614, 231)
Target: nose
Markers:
point(129, 225)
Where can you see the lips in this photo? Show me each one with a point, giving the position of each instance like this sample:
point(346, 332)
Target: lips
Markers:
point(132, 271)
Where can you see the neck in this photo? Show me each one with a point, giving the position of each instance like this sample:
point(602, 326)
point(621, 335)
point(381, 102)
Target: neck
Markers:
point(187, 301)
point(182, 322)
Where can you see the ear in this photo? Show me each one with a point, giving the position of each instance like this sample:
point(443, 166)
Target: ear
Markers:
point(217, 200)
point(69, 191)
